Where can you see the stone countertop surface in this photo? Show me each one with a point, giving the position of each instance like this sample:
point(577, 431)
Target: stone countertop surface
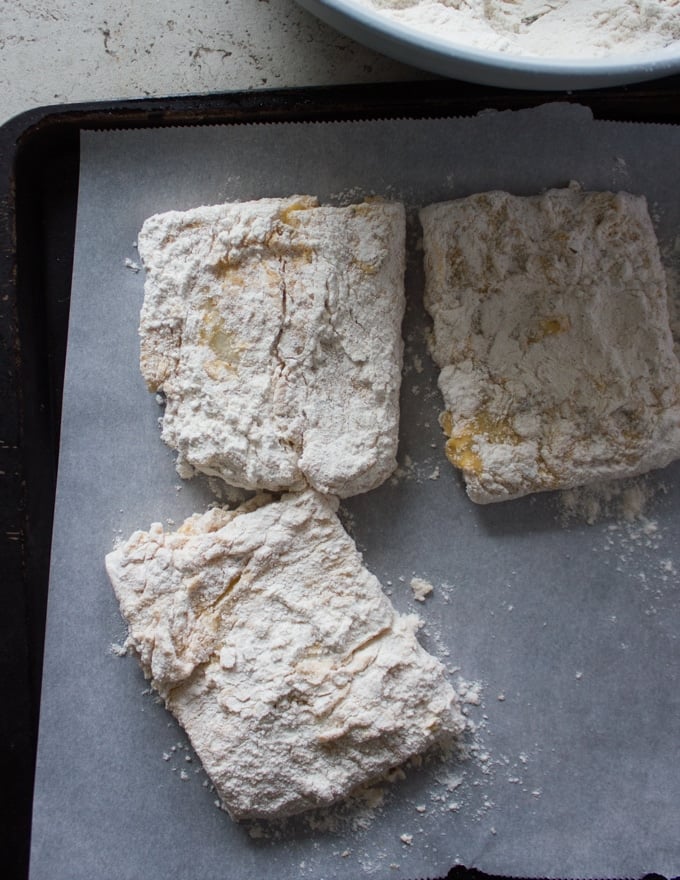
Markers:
point(63, 51)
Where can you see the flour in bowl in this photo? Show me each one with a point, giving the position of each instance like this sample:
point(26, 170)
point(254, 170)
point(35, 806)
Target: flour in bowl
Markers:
point(558, 28)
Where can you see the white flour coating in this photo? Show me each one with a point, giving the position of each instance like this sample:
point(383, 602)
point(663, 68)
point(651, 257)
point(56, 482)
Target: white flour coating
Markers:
point(294, 677)
point(551, 332)
point(274, 329)
point(553, 29)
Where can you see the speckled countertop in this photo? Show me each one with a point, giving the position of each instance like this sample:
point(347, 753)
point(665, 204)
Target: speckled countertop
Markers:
point(61, 51)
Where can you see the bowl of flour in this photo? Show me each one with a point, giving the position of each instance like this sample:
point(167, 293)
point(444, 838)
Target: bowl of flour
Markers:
point(524, 44)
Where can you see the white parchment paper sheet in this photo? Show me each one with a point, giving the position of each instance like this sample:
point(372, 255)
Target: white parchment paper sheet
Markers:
point(570, 630)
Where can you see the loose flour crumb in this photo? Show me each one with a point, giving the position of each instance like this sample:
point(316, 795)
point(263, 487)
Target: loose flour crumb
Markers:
point(470, 692)
point(421, 588)
point(593, 29)
point(625, 500)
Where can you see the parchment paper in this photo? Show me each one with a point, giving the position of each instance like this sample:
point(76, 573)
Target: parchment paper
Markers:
point(566, 632)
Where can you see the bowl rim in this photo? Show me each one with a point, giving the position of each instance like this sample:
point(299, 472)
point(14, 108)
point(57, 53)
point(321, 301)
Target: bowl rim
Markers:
point(660, 60)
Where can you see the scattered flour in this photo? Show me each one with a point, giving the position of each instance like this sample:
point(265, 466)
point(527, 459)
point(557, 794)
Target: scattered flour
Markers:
point(555, 29)
point(625, 500)
point(418, 472)
point(470, 692)
point(421, 588)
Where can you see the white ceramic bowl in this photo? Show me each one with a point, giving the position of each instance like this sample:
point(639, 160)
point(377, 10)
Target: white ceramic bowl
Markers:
point(444, 56)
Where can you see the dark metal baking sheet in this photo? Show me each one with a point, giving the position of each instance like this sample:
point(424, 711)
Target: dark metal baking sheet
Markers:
point(39, 156)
